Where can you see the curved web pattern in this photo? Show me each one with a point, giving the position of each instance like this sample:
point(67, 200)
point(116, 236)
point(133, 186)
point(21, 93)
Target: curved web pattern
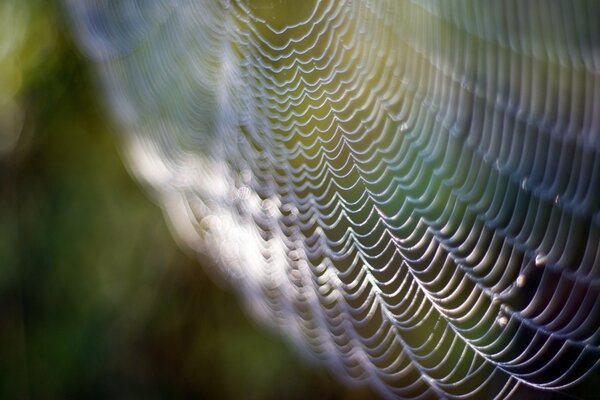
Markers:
point(408, 189)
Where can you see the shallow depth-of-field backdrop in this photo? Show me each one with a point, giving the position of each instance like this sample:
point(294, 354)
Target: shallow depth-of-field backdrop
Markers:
point(96, 299)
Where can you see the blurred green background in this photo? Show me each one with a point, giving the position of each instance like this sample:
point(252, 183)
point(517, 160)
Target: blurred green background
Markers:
point(96, 300)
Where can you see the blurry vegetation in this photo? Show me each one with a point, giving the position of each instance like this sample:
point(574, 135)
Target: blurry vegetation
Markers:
point(96, 300)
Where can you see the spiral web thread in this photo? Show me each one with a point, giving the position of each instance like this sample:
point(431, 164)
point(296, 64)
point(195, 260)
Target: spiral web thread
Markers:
point(410, 190)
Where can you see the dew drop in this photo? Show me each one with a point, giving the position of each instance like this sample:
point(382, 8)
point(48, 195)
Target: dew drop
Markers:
point(502, 320)
point(267, 204)
point(294, 255)
point(540, 260)
point(495, 298)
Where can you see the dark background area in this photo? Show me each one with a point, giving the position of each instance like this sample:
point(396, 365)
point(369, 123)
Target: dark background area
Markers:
point(96, 299)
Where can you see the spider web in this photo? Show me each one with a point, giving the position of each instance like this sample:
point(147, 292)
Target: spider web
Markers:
point(410, 190)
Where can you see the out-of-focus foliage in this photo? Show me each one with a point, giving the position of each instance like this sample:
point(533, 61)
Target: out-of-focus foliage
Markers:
point(96, 301)
point(24, 48)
